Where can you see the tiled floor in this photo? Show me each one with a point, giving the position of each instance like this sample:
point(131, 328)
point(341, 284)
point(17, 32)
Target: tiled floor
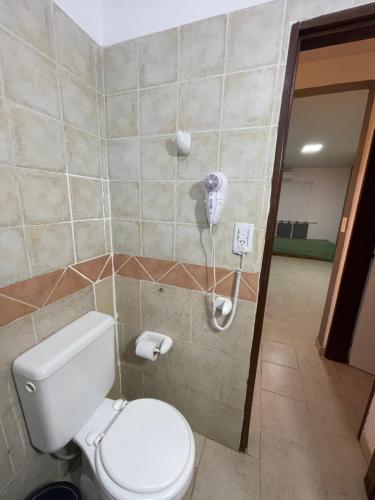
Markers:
point(306, 412)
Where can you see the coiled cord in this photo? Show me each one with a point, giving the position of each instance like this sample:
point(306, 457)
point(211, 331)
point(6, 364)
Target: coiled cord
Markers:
point(229, 321)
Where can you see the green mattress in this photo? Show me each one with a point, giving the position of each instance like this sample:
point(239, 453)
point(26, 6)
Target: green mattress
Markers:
point(309, 249)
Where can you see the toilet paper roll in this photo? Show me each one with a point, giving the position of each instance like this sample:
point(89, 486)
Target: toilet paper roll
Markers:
point(146, 349)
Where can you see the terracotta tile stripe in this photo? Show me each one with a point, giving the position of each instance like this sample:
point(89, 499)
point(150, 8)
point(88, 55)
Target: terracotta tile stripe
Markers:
point(33, 291)
point(10, 310)
point(24, 297)
point(92, 268)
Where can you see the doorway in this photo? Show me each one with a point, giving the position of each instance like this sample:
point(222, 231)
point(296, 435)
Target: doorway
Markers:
point(328, 30)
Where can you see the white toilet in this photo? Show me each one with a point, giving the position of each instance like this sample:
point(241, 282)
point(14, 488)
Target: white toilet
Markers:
point(137, 450)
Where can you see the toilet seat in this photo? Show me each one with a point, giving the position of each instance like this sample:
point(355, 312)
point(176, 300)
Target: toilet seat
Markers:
point(146, 452)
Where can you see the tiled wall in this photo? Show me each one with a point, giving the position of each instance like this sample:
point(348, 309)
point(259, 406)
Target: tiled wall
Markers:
point(52, 158)
point(53, 204)
point(218, 79)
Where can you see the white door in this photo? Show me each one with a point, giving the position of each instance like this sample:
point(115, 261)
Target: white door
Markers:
point(362, 353)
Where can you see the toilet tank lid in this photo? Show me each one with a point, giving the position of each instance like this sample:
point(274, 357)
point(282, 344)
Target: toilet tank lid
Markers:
point(52, 353)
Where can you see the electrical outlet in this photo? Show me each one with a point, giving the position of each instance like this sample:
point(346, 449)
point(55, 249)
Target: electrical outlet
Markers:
point(242, 238)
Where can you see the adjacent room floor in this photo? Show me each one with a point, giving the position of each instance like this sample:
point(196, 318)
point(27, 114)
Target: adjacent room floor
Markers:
point(306, 412)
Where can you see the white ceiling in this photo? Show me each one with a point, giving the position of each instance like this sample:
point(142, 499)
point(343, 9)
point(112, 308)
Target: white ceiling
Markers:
point(333, 120)
point(113, 21)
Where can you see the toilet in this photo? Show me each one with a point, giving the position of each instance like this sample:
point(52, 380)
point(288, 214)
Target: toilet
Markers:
point(132, 450)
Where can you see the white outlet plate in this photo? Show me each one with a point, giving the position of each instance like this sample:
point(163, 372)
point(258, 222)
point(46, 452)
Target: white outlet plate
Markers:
point(242, 238)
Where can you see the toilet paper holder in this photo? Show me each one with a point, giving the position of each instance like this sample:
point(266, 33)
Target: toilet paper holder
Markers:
point(163, 343)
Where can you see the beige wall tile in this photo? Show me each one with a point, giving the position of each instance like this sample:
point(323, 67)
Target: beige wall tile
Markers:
point(50, 246)
point(236, 209)
point(19, 445)
point(162, 388)
point(6, 472)
point(190, 202)
point(127, 300)
point(122, 115)
point(158, 58)
point(125, 199)
point(102, 115)
point(194, 366)
point(243, 153)
point(123, 159)
point(158, 110)
point(234, 372)
point(157, 239)
point(104, 296)
point(215, 420)
point(248, 98)
point(120, 67)
point(158, 157)
point(131, 382)
point(10, 213)
point(99, 69)
point(202, 48)
point(203, 158)
point(104, 158)
point(75, 49)
point(89, 239)
point(51, 318)
point(79, 103)
point(126, 236)
point(197, 96)
point(192, 243)
point(237, 342)
point(44, 197)
point(38, 141)
point(255, 36)
point(33, 25)
point(86, 198)
point(13, 252)
point(16, 338)
point(83, 152)
point(166, 309)
point(158, 200)
point(39, 89)
point(5, 145)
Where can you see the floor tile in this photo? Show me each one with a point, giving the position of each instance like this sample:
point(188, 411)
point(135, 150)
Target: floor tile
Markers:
point(253, 443)
point(226, 474)
point(286, 418)
point(289, 471)
point(199, 443)
point(282, 380)
point(280, 354)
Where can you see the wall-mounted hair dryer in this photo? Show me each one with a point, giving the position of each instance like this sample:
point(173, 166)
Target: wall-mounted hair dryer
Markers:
point(216, 187)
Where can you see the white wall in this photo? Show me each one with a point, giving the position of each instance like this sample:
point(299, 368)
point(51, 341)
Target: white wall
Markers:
point(315, 195)
point(87, 14)
point(113, 21)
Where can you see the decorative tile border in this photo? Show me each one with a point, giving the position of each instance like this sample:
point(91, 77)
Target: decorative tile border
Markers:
point(191, 276)
point(25, 297)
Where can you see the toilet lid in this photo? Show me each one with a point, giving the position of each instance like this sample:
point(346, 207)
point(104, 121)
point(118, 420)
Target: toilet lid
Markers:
point(147, 446)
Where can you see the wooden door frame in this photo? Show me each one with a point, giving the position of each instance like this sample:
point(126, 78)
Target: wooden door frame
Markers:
point(345, 26)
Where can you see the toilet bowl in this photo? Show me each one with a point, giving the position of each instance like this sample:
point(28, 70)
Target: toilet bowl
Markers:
point(137, 450)
point(144, 451)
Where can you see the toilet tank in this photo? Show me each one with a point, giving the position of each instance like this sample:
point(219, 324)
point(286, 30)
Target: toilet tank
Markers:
point(62, 380)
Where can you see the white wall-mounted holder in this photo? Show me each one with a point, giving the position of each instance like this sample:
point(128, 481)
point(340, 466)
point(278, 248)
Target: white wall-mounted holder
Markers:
point(183, 143)
point(150, 344)
point(224, 305)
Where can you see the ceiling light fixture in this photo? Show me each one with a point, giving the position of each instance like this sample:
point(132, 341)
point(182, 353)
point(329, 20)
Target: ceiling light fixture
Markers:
point(311, 148)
